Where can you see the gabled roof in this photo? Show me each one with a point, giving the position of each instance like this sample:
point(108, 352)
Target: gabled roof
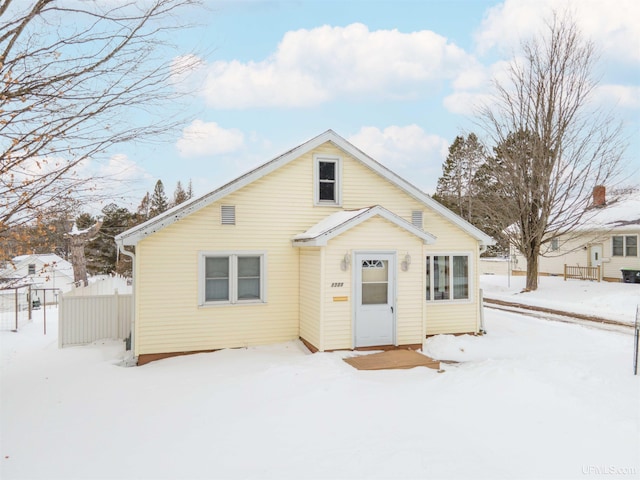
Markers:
point(340, 222)
point(139, 232)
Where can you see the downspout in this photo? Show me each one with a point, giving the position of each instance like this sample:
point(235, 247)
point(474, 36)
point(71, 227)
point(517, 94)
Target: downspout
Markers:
point(131, 360)
point(483, 248)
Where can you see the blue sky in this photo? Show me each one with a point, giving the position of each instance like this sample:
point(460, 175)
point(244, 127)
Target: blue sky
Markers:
point(396, 78)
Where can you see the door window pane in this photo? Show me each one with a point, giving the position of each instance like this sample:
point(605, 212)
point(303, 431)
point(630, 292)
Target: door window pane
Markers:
point(375, 282)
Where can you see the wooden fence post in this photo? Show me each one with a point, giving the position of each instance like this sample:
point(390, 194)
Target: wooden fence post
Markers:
point(44, 306)
point(15, 297)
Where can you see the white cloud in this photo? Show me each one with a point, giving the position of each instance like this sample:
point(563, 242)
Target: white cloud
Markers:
point(466, 103)
point(208, 138)
point(622, 96)
point(407, 150)
point(612, 25)
point(313, 66)
point(120, 167)
point(187, 73)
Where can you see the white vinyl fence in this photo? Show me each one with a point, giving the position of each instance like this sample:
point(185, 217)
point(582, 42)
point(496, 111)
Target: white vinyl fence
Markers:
point(85, 319)
point(102, 285)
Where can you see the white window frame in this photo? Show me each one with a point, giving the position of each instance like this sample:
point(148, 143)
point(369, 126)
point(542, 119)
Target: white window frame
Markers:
point(233, 277)
point(624, 246)
point(471, 277)
point(316, 181)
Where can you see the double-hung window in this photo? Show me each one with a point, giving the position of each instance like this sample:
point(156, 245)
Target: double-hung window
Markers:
point(327, 179)
point(624, 245)
point(231, 278)
point(447, 277)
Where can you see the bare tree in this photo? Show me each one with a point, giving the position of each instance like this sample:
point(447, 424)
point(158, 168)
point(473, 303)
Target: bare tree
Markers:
point(554, 146)
point(78, 78)
point(77, 241)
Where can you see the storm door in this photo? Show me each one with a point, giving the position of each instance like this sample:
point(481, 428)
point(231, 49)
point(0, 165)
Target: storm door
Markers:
point(374, 299)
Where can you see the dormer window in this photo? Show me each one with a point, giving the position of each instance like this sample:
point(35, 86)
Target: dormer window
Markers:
point(327, 180)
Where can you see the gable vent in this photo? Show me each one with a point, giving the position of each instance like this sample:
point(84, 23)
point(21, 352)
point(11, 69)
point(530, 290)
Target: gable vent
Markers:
point(416, 218)
point(228, 214)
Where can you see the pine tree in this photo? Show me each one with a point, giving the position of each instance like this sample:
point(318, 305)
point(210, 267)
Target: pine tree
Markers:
point(190, 190)
point(159, 202)
point(101, 252)
point(456, 188)
point(142, 211)
point(179, 195)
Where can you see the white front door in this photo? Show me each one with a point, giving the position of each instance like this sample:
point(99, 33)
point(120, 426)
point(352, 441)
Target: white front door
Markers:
point(374, 299)
point(596, 255)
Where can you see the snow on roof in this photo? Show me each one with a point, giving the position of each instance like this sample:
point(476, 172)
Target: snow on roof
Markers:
point(341, 221)
point(622, 213)
point(329, 223)
point(57, 263)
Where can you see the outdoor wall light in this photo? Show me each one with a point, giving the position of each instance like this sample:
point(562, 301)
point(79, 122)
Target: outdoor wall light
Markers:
point(404, 265)
point(344, 263)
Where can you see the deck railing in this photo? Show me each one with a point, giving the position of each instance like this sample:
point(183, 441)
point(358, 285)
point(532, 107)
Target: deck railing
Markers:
point(582, 273)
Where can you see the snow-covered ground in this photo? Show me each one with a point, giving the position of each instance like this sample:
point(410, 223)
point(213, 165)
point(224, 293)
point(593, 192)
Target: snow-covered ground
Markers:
point(531, 399)
point(614, 301)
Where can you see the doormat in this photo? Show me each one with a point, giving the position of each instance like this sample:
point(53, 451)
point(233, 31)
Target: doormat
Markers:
point(392, 359)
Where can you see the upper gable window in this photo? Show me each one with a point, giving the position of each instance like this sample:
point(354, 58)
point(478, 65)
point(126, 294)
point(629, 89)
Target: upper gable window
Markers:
point(327, 180)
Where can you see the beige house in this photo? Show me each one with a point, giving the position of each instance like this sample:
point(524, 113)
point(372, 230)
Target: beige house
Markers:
point(322, 243)
point(607, 238)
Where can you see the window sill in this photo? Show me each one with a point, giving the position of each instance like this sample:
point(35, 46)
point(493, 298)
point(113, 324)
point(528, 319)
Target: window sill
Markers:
point(459, 301)
point(229, 304)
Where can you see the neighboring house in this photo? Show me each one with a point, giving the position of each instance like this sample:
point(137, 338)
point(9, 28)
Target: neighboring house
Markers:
point(39, 270)
point(322, 243)
point(607, 236)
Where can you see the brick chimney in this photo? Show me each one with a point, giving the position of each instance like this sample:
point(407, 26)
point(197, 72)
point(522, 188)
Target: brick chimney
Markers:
point(599, 196)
